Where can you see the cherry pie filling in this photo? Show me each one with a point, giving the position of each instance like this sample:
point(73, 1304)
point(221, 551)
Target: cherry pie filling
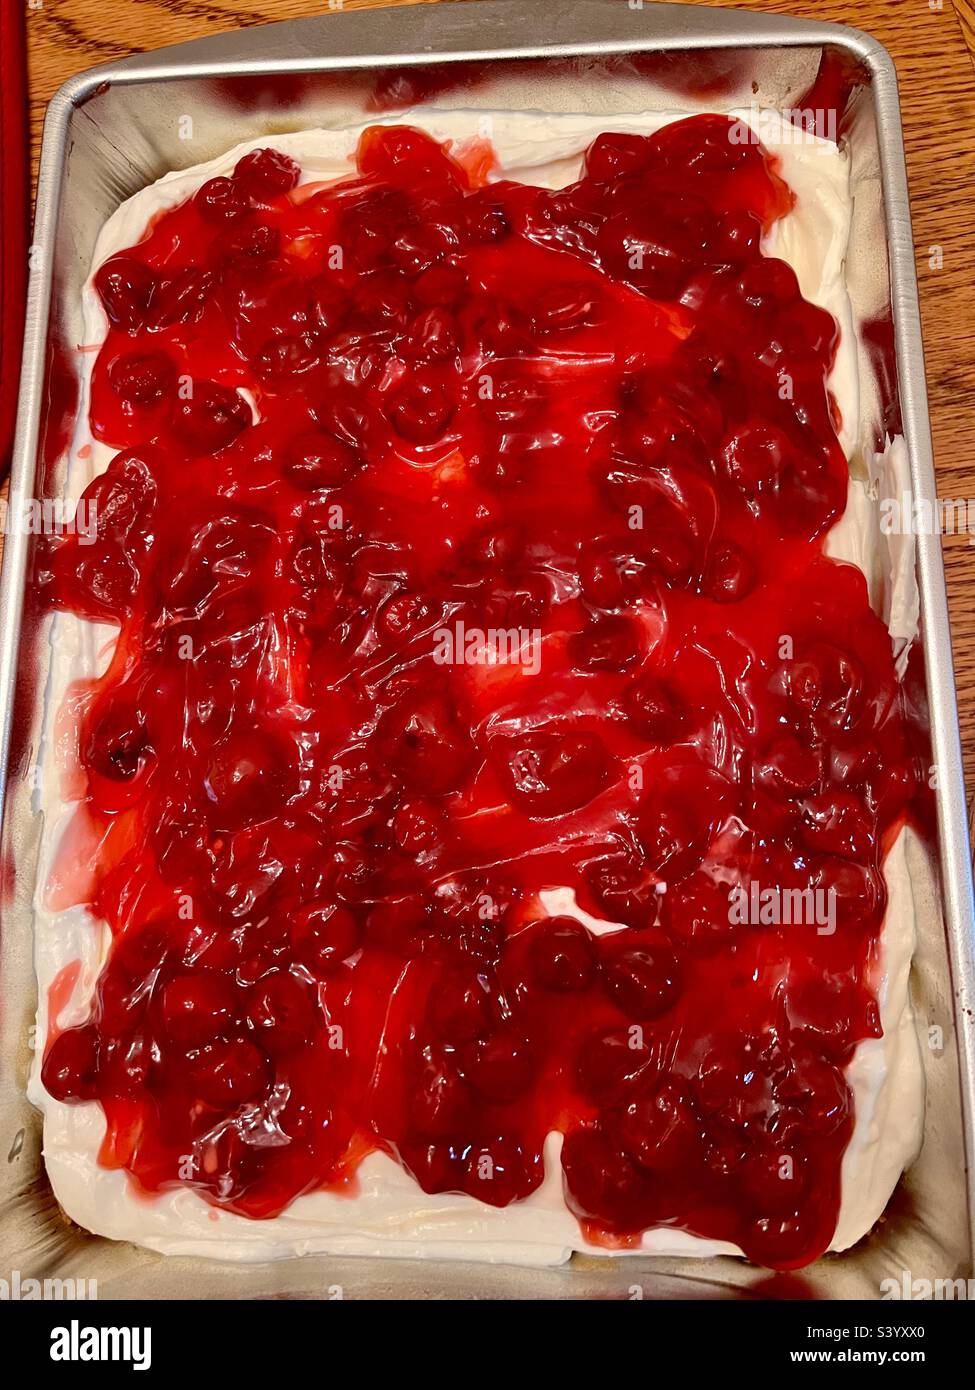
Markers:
point(353, 418)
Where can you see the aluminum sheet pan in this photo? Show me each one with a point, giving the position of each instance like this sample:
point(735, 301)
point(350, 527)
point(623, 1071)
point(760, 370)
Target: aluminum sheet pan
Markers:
point(116, 128)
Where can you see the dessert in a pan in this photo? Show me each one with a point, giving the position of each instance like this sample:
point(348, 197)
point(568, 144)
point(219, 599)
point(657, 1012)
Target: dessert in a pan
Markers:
point(478, 783)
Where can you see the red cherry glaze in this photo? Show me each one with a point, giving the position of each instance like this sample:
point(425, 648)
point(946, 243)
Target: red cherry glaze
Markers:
point(221, 200)
point(196, 1008)
point(266, 173)
point(281, 1014)
point(641, 974)
point(141, 379)
point(548, 774)
point(563, 955)
point(209, 417)
point(318, 461)
point(460, 1008)
point(228, 1074)
point(324, 935)
point(70, 1070)
point(320, 844)
point(248, 776)
point(659, 1132)
point(126, 286)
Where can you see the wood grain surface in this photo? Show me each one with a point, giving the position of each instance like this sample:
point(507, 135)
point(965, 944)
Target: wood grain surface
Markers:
point(932, 43)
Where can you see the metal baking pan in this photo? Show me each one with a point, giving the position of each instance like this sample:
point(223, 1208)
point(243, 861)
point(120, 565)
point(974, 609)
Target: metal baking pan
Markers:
point(116, 128)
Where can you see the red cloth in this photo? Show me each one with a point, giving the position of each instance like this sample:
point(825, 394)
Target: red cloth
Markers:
point(13, 214)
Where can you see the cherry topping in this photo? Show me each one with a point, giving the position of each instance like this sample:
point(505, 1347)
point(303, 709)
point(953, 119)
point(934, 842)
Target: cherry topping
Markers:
point(816, 1093)
point(318, 461)
point(640, 973)
point(550, 774)
point(730, 574)
point(420, 410)
point(181, 298)
point(563, 956)
point(755, 458)
point(787, 767)
point(228, 1074)
point(209, 417)
point(460, 1008)
point(417, 826)
point(441, 284)
point(733, 1090)
point(501, 1172)
point(266, 173)
point(126, 287)
point(696, 914)
point(611, 643)
point(825, 685)
point(601, 1182)
point(485, 222)
point(70, 1070)
point(248, 776)
point(249, 247)
point(836, 823)
point(614, 1065)
point(281, 1014)
point(549, 426)
point(774, 1181)
point(858, 892)
point(441, 1104)
point(126, 987)
point(501, 1066)
point(116, 742)
point(141, 378)
point(429, 747)
point(432, 336)
point(324, 936)
point(124, 1065)
point(351, 418)
point(613, 574)
point(660, 1132)
point(221, 200)
point(610, 156)
point(284, 359)
point(654, 710)
point(402, 926)
point(197, 1008)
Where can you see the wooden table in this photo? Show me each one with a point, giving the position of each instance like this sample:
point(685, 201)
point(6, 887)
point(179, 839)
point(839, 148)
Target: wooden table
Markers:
point(932, 42)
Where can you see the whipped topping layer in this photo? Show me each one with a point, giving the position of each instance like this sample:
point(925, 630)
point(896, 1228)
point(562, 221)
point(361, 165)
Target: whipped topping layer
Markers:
point(390, 1214)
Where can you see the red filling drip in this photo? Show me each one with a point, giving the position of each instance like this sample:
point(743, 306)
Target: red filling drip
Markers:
point(315, 817)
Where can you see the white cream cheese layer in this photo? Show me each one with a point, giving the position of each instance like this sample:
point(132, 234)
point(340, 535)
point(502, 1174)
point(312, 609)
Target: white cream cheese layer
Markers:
point(391, 1216)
